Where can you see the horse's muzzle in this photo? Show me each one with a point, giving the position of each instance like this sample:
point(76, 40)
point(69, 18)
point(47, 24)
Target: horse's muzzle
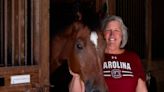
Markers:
point(91, 87)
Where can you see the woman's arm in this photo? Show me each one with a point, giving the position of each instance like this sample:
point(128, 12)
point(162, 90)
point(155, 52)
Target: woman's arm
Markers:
point(76, 84)
point(141, 86)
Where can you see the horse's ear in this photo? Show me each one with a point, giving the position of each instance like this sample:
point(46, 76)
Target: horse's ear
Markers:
point(84, 32)
point(77, 25)
point(71, 29)
point(74, 28)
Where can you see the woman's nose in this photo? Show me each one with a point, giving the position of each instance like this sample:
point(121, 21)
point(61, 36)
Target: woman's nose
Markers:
point(111, 33)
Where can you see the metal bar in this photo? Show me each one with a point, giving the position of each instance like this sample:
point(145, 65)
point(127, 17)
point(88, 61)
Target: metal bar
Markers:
point(149, 33)
point(36, 31)
point(13, 32)
point(107, 7)
point(19, 32)
point(5, 31)
point(25, 33)
point(2, 32)
point(32, 29)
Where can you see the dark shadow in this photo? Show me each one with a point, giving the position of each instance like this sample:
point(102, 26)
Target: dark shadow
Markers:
point(60, 79)
point(151, 82)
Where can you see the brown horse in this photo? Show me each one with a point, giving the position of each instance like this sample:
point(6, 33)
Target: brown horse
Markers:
point(78, 46)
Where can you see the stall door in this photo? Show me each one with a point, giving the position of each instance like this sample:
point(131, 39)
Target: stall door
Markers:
point(24, 46)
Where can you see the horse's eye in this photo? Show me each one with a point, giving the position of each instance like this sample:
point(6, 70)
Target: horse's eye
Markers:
point(79, 45)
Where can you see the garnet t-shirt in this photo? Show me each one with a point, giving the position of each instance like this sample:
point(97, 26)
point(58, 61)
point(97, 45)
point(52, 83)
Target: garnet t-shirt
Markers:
point(121, 71)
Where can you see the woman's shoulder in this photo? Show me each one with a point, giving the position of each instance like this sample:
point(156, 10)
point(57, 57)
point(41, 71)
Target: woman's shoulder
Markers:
point(131, 53)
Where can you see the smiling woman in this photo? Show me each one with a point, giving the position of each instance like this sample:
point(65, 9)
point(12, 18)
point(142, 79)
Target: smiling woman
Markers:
point(121, 66)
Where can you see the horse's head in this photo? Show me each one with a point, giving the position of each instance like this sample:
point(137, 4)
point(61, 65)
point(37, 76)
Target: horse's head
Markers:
point(84, 52)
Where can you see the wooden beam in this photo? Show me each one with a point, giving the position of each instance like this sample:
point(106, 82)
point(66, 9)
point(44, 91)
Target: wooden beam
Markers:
point(112, 7)
point(44, 44)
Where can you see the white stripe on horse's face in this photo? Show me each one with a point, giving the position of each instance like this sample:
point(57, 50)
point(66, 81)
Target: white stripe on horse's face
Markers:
point(94, 38)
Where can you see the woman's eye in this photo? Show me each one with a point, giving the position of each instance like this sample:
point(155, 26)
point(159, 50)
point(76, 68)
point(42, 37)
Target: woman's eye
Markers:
point(117, 30)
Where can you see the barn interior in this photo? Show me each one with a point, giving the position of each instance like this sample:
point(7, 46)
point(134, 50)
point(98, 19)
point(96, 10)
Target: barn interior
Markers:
point(27, 26)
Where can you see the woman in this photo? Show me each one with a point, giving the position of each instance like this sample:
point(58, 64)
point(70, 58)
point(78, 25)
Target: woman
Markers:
point(123, 71)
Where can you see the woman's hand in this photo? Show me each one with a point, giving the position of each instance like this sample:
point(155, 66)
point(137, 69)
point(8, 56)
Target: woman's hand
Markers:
point(76, 84)
point(74, 74)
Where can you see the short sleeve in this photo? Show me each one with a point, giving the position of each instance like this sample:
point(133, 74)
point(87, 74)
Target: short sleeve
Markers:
point(140, 70)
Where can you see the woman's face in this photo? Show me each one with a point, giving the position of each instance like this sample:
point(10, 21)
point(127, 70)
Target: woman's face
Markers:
point(113, 35)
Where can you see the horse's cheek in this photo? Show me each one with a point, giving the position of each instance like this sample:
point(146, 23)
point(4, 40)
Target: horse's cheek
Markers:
point(74, 65)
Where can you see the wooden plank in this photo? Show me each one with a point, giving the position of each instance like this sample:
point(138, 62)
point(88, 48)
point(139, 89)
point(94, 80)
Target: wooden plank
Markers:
point(16, 31)
point(21, 30)
point(112, 7)
point(7, 72)
point(44, 44)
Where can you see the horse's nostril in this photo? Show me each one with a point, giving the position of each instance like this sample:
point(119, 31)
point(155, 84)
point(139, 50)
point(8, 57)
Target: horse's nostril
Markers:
point(90, 87)
point(95, 90)
point(99, 89)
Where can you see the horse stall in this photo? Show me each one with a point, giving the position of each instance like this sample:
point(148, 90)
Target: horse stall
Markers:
point(24, 46)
